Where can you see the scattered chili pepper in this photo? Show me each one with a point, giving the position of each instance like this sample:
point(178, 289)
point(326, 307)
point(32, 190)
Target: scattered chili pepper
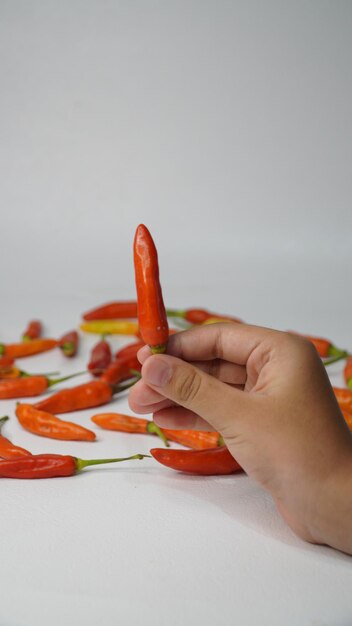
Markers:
point(202, 462)
point(27, 348)
point(10, 372)
point(344, 398)
point(199, 316)
point(347, 372)
point(130, 350)
point(128, 424)
point(68, 343)
point(33, 331)
point(53, 465)
point(6, 362)
point(8, 450)
point(324, 347)
point(152, 317)
point(29, 386)
point(195, 439)
point(47, 425)
point(348, 417)
point(86, 396)
point(100, 357)
point(112, 310)
point(118, 371)
point(110, 327)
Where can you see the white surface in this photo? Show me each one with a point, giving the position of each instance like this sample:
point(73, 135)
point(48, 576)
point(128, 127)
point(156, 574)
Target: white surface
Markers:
point(225, 127)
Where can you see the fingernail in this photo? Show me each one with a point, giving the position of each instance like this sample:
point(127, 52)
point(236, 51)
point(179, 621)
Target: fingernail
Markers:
point(156, 372)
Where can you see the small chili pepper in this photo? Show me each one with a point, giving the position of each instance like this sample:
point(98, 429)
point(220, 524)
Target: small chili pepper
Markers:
point(118, 371)
point(152, 317)
point(199, 316)
point(53, 465)
point(347, 372)
point(68, 343)
point(86, 396)
point(112, 310)
point(48, 425)
point(33, 331)
point(27, 348)
point(6, 362)
point(10, 372)
point(110, 327)
point(8, 450)
point(130, 350)
point(128, 424)
point(344, 398)
point(100, 357)
point(195, 439)
point(29, 386)
point(201, 462)
point(324, 347)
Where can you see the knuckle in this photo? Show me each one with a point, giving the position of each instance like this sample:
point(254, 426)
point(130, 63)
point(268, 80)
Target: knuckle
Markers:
point(188, 386)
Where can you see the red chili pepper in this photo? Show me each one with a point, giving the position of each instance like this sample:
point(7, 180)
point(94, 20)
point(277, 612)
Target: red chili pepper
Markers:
point(48, 425)
point(53, 465)
point(112, 310)
point(347, 372)
point(195, 439)
point(6, 362)
point(86, 396)
point(28, 386)
point(199, 316)
point(27, 348)
point(100, 357)
point(10, 372)
point(130, 350)
point(33, 331)
point(118, 371)
point(201, 462)
point(128, 424)
point(152, 317)
point(324, 347)
point(69, 343)
point(8, 450)
point(344, 398)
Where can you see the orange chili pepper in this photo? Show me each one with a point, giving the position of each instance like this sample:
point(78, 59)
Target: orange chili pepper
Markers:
point(344, 398)
point(128, 424)
point(10, 372)
point(195, 439)
point(112, 310)
point(27, 348)
point(324, 347)
point(347, 372)
point(348, 417)
point(201, 462)
point(33, 330)
point(6, 362)
point(8, 450)
point(68, 343)
point(152, 317)
point(28, 386)
point(130, 350)
point(199, 316)
point(100, 357)
point(118, 371)
point(48, 425)
point(53, 465)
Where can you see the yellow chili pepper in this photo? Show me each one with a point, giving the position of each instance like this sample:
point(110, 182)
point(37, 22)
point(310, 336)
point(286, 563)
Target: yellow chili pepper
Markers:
point(217, 320)
point(110, 327)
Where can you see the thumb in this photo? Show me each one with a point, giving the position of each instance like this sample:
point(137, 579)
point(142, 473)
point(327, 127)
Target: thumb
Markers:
point(218, 403)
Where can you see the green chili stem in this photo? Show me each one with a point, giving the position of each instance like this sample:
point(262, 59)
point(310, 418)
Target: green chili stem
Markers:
point(3, 420)
point(154, 429)
point(82, 463)
point(334, 351)
point(175, 313)
point(335, 359)
point(160, 349)
point(55, 381)
point(119, 388)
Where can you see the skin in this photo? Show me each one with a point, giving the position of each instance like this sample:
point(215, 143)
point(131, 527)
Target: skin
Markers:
point(268, 394)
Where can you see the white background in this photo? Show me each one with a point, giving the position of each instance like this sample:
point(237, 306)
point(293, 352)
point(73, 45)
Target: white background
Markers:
point(226, 128)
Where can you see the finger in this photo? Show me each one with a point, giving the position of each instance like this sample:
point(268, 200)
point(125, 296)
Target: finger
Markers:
point(230, 373)
point(178, 418)
point(143, 399)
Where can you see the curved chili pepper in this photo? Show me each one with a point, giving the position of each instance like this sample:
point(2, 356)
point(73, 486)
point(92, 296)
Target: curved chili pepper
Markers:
point(152, 317)
point(128, 424)
point(199, 316)
point(27, 348)
point(110, 327)
point(347, 372)
point(29, 386)
point(53, 465)
point(8, 450)
point(48, 425)
point(68, 343)
point(100, 357)
point(33, 330)
point(86, 396)
point(344, 398)
point(112, 310)
point(201, 462)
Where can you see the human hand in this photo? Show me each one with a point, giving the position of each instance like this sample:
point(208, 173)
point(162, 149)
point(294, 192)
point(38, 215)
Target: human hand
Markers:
point(269, 396)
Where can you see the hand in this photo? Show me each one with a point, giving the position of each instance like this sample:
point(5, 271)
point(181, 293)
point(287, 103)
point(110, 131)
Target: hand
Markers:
point(269, 396)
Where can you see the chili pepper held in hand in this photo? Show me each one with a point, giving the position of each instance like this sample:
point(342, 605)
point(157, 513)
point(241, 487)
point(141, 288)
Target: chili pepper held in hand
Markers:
point(68, 343)
point(48, 425)
point(53, 465)
point(128, 424)
point(112, 310)
point(110, 327)
point(199, 316)
point(347, 372)
point(100, 357)
point(8, 450)
point(86, 396)
point(27, 348)
point(29, 386)
point(201, 462)
point(33, 331)
point(152, 317)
